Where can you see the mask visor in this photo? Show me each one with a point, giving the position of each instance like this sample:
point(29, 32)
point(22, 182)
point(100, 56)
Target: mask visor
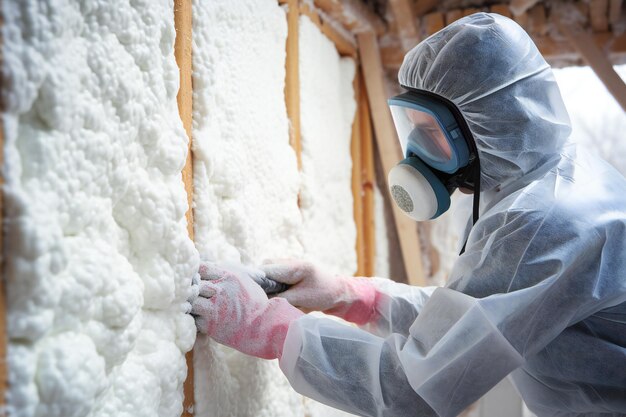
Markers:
point(422, 133)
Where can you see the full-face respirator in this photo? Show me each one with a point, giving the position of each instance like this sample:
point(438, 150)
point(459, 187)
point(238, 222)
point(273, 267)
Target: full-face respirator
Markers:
point(439, 155)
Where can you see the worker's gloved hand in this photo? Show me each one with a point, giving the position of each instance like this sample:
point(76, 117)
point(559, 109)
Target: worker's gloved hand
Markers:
point(195, 291)
point(312, 289)
point(234, 310)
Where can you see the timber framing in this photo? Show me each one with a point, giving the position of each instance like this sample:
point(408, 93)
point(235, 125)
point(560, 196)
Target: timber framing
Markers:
point(182, 51)
point(604, 20)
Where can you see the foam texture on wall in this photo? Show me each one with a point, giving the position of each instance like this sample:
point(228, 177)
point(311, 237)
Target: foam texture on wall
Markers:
point(98, 261)
point(246, 183)
point(327, 107)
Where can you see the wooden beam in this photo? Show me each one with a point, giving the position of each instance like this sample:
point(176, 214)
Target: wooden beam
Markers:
point(598, 61)
point(470, 11)
point(312, 14)
point(502, 9)
point(521, 19)
point(552, 49)
point(292, 79)
point(329, 6)
point(615, 12)
point(344, 41)
point(433, 22)
point(583, 12)
point(538, 24)
point(519, 7)
point(407, 31)
point(424, 6)
point(599, 15)
point(354, 15)
point(453, 15)
point(357, 180)
point(182, 52)
point(369, 179)
point(389, 149)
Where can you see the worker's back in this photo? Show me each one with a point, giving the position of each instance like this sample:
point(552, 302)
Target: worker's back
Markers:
point(561, 301)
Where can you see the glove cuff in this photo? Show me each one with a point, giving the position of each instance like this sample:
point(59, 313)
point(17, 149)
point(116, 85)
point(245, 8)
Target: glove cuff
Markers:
point(360, 305)
point(281, 314)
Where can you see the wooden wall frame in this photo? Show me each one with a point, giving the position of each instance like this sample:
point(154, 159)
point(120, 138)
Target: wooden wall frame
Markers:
point(183, 21)
point(389, 151)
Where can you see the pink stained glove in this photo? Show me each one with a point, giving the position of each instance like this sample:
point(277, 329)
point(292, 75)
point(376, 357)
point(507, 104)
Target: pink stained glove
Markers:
point(234, 310)
point(353, 299)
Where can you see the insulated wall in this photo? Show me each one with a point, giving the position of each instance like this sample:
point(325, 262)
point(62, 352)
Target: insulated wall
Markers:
point(246, 183)
point(246, 179)
point(327, 106)
point(97, 259)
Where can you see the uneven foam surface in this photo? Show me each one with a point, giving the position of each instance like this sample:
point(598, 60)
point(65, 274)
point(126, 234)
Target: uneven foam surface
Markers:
point(246, 183)
point(98, 262)
point(327, 107)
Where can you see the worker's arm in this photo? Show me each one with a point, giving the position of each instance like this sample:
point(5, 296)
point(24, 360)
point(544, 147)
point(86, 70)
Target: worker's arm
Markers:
point(537, 279)
point(379, 305)
point(452, 356)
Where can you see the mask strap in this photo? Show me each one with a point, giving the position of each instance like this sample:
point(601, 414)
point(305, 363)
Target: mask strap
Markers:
point(476, 204)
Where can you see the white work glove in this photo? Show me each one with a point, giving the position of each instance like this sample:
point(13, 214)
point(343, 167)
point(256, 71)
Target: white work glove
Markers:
point(353, 299)
point(235, 311)
point(195, 291)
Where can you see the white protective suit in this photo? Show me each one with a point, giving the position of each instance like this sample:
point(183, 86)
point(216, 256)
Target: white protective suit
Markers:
point(540, 292)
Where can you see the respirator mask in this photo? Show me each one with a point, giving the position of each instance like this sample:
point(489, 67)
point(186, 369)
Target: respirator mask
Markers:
point(439, 152)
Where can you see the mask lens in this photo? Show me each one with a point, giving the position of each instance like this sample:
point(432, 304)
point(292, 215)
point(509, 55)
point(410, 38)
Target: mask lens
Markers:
point(422, 132)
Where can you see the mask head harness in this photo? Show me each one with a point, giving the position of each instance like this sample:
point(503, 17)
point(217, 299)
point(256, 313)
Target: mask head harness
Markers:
point(440, 155)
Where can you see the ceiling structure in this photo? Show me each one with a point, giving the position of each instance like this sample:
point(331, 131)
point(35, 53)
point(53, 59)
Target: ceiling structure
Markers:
point(567, 32)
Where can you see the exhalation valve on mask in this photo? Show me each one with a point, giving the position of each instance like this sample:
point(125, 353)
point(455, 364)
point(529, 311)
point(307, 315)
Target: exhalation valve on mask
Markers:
point(417, 190)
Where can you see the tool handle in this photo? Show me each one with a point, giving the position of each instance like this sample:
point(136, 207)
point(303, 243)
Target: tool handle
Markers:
point(270, 286)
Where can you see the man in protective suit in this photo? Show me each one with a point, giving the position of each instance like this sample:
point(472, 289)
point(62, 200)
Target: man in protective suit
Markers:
point(538, 292)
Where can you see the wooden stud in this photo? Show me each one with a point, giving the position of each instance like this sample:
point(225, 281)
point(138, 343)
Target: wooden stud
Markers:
point(502, 9)
point(453, 15)
point(598, 61)
point(470, 11)
point(344, 41)
point(292, 79)
point(615, 11)
point(537, 20)
point(357, 180)
point(389, 149)
point(369, 179)
point(522, 20)
point(329, 6)
point(433, 22)
point(424, 6)
point(182, 52)
point(406, 29)
point(312, 14)
point(599, 14)
point(346, 46)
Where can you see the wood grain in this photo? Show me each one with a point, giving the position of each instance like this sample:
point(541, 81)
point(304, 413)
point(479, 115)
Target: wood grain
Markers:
point(292, 79)
point(389, 150)
point(182, 51)
point(407, 30)
point(357, 180)
point(597, 60)
point(369, 179)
